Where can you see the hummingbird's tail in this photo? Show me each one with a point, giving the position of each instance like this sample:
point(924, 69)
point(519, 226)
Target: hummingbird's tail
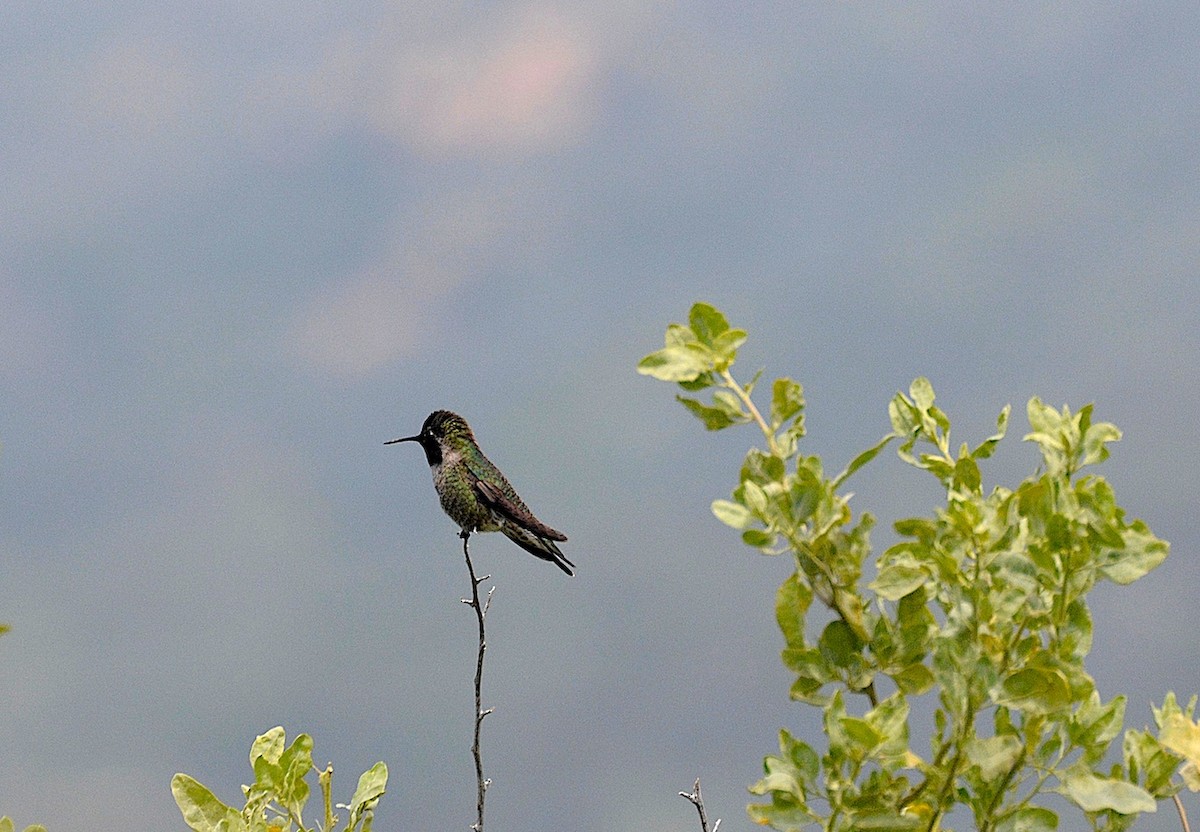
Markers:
point(537, 546)
point(520, 526)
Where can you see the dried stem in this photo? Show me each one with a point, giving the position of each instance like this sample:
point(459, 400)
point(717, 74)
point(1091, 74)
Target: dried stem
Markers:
point(481, 609)
point(698, 801)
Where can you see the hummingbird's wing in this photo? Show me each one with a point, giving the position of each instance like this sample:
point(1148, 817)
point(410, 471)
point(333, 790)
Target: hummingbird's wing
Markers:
point(494, 498)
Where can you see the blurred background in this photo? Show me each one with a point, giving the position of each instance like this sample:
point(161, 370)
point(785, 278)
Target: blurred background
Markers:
point(243, 244)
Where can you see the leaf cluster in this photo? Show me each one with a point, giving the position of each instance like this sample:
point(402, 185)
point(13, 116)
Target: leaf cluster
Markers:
point(983, 604)
point(275, 801)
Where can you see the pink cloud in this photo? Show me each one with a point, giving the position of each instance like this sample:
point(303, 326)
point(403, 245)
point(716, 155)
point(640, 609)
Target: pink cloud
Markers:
point(527, 87)
point(359, 326)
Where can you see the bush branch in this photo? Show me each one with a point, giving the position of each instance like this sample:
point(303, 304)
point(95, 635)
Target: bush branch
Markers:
point(481, 609)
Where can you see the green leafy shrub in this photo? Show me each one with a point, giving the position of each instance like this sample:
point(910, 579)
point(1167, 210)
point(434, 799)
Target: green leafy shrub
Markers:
point(275, 801)
point(983, 605)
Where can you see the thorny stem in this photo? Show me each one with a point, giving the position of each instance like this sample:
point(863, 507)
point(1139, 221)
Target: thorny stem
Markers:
point(698, 802)
point(480, 611)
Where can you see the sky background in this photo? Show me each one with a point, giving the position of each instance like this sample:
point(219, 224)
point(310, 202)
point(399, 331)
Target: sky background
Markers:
point(242, 244)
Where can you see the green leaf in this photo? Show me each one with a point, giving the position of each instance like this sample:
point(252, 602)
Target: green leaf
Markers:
point(755, 498)
point(295, 763)
point(861, 734)
point(1096, 794)
point(914, 679)
point(1094, 440)
point(936, 466)
point(905, 418)
point(1034, 689)
point(1182, 736)
point(1148, 760)
point(862, 459)
point(922, 393)
point(787, 399)
point(676, 363)
point(1190, 774)
point(782, 815)
point(898, 579)
point(1076, 633)
point(792, 601)
point(921, 528)
point(807, 689)
point(890, 719)
point(1142, 552)
point(269, 746)
point(966, 475)
point(1029, 819)
point(201, 809)
point(995, 756)
point(371, 786)
point(801, 755)
point(726, 345)
point(886, 820)
point(714, 418)
point(988, 446)
point(788, 778)
point(700, 382)
point(679, 335)
point(732, 514)
point(1043, 418)
point(1095, 725)
point(759, 539)
point(838, 643)
point(707, 323)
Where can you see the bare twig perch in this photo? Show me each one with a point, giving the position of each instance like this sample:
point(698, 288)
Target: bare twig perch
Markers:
point(481, 609)
point(698, 801)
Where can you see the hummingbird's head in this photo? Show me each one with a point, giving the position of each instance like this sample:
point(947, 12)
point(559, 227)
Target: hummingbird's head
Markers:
point(441, 430)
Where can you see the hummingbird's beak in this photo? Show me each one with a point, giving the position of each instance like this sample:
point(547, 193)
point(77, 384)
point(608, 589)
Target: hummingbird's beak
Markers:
point(416, 438)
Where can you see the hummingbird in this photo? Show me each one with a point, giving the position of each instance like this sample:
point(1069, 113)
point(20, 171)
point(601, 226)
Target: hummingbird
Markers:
point(474, 492)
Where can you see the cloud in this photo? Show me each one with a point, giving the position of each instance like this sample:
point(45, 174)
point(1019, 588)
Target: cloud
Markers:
point(140, 88)
point(527, 90)
point(32, 335)
point(360, 325)
point(381, 313)
point(526, 86)
point(102, 797)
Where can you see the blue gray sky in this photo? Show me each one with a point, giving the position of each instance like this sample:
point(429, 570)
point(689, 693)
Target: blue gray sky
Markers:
point(242, 244)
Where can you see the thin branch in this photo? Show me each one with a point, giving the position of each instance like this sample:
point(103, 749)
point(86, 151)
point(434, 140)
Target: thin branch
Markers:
point(740, 392)
point(698, 802)
point(1182, 814)
point(481, 609)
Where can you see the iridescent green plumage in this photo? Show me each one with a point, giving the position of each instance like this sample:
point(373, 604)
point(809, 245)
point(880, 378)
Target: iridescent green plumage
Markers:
point(474, 492)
